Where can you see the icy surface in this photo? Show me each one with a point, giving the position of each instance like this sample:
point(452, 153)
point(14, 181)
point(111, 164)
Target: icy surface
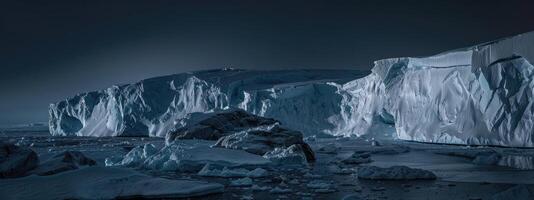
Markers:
point(187, 155)
point(102, 183)
point(459, 176)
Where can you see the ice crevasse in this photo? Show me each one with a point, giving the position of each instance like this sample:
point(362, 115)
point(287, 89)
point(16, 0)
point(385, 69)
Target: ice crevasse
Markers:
point(477, 95)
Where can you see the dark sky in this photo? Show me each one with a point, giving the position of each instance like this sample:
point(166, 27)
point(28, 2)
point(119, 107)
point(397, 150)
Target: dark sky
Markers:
point(50, 50)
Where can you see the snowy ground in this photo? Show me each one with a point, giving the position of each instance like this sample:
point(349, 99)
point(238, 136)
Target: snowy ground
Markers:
point(462, 172)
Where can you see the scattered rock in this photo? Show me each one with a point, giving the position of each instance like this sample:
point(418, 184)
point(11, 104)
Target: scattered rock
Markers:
point(394, 173)
point(16, 161)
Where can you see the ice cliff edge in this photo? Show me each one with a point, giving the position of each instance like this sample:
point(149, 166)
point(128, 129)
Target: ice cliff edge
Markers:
point(481, 95)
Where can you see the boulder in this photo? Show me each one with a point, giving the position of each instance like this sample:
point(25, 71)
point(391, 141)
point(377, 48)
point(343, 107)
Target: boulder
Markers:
point(16, 161)
point(212, 126)
point(262, 141)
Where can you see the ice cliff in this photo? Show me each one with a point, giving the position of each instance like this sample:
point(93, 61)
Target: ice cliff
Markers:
point(480, 95)
point(477, 95)
point(300, 99)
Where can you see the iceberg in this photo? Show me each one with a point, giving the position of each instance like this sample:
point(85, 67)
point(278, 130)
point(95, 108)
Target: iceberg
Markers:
point(480, 95)
point(156, 106)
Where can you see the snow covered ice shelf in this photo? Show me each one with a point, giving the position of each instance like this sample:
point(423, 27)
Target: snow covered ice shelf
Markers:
point(479, 95)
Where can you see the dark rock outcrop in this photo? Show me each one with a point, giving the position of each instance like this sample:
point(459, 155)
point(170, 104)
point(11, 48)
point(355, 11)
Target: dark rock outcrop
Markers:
point(16, 161)
point(266, 140)
point(217, 125)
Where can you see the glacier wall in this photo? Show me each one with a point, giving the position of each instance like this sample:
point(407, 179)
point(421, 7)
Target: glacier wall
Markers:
point(479, 95)
point(300, 99)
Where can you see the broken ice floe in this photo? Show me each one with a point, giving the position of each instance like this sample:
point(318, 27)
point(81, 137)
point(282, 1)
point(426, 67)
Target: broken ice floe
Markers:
point(218, 171)
point(188, 156)
point(394, 173)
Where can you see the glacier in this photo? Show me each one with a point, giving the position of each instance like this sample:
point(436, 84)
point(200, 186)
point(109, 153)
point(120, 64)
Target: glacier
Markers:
point(480, 95)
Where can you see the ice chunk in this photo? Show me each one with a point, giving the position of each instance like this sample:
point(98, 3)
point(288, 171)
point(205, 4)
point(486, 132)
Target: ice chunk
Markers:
point(186, 157)
point(242, 182)
point(16, 161)
point(103, 183)
point(394, 173)
point(218, 171)
point(290, 156)
point(319, 184)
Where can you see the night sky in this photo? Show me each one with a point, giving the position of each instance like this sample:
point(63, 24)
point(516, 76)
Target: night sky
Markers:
point(50, 50)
